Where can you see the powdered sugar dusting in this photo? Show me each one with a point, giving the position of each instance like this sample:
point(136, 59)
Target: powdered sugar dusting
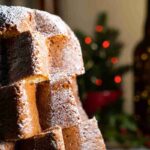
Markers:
point(45, 23)
point(86, 136)
point(67, 58)
point(50, 25)
point(12, 16)
point(90, 135)
point(64, 110)
point(52, 50)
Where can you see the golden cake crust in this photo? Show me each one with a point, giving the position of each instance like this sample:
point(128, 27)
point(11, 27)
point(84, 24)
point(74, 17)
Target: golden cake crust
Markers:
point(84, 136)
point(26, 56)
point(40, 58)
point(43, 33)
point(56, 102)
point(51, 139)
point(18, 112)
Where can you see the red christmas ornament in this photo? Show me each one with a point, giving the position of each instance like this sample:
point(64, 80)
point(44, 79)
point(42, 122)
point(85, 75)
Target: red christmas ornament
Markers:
point(98, 100)
point(98, 82)
point(147, 143)
point(117, 79)
point(88, 40)
point(114, 60)
point(99, 28)
point(123, 131)
point(106, 44)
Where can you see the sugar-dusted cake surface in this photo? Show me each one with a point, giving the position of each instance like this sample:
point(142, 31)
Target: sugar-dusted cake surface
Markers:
point(18, 112)
point(51, 139)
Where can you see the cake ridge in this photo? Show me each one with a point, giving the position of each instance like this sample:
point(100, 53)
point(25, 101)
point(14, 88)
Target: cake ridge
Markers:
point(43, 57)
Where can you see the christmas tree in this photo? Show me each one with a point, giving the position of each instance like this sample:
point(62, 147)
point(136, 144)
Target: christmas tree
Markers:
point(101, 86)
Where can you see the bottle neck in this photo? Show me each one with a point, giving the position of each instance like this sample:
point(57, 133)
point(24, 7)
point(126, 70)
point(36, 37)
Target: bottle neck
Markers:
point(147, 29)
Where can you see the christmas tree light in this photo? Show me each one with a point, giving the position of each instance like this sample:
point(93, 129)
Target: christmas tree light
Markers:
point(88, 40)
point(114, 60)
point(106, 44)
point(98, 82)
point(99, 28)
point(117, 79)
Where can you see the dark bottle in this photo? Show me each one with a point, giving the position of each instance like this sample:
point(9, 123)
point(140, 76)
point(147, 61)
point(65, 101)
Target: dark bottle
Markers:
point(142, 78)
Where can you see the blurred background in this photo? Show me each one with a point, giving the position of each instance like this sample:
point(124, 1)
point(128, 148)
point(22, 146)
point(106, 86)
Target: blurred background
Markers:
point(115, 40)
